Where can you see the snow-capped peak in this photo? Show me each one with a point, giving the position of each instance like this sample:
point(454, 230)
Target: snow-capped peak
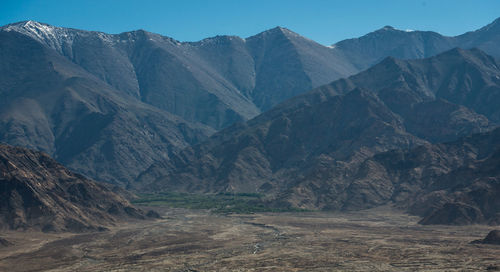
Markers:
point(54, 37)
point(49, 35)
point(32, 28)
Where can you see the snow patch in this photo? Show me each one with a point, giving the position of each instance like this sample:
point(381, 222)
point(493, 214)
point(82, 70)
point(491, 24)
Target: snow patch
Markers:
point(56, 38)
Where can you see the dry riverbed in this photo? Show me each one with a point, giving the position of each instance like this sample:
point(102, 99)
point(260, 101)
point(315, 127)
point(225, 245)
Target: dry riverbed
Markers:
point(381, 239)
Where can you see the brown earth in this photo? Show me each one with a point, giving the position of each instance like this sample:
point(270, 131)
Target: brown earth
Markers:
point(381, 239)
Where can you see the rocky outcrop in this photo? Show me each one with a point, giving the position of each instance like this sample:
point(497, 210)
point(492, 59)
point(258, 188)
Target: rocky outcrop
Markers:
point(493, 238)
point(37, 193)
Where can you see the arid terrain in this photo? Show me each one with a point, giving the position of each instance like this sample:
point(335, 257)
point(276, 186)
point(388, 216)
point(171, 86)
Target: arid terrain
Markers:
point(381, 239)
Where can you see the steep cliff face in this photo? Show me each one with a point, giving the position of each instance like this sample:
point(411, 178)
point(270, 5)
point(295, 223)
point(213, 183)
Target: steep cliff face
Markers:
point(38, 193)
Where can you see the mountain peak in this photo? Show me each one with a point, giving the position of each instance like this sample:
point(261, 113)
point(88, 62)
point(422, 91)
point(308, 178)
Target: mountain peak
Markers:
point(278, 30)
point(51, 36)
point(30, 27)
point(388, 27)
point(219, 39)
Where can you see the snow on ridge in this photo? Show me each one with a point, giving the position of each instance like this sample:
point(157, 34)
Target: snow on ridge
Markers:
point(54, 37)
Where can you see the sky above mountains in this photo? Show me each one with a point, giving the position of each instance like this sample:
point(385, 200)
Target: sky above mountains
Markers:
point(321, 20)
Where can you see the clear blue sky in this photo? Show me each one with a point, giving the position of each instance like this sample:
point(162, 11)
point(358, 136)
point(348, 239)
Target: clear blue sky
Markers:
point(325, 21)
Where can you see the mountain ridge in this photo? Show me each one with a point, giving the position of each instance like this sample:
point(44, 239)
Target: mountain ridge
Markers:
point(306, 151)
point(140, 94)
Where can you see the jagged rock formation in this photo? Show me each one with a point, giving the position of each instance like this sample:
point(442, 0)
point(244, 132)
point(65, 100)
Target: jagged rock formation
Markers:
point(38, 193)
point(451, 183)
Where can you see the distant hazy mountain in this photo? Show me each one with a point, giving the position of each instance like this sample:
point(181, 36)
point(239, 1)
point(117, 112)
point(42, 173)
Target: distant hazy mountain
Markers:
point(373, 47)
point(305, 151)
point(39, 193)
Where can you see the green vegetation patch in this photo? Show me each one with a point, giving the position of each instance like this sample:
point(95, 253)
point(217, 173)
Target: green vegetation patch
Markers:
point(218, 203)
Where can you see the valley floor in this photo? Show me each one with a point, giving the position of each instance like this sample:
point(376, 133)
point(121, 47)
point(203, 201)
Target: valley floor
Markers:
point(381, 239)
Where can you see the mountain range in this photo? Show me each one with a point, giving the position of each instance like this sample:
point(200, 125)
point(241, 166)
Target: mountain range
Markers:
point(141, 109)
point(307, 151)
point(224, 79)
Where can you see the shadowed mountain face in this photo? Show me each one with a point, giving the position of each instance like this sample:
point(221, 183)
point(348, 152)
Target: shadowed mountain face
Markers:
point(452, 183)
point(39, 193)
point(306, 152)
point(50, 104)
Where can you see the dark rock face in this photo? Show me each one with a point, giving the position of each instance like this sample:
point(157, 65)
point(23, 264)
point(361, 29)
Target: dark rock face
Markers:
point(153, 214)
point(493, 238)
point(38, 193)
point(454, 214)
point(452, 183)
point(4, 242)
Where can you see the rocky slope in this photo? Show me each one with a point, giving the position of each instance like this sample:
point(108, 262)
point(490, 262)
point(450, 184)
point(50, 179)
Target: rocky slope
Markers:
point(306, 151)
point(50, 104)
point(216, 81)
point(455, 82)
point(39, 193)
point(451, 183)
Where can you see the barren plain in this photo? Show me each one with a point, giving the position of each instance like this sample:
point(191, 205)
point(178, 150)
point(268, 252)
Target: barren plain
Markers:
point(382, 239)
